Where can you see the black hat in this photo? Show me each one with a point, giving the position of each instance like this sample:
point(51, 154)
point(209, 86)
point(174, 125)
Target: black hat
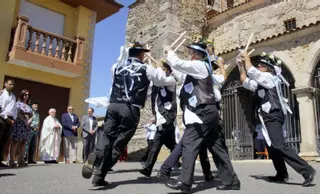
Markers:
point(199, 43)
point(33, 102)
point(269, 60)
point(138, 46)
point(166, 64)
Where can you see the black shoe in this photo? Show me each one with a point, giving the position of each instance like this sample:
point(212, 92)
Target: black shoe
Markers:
point(279, 178)
point(3, 165)
point(208, 177)
point(163, 177)
point(87, 168)
point(110, 170)
point(234, 186)
point(100, 183)
point(145, 172)
point(309, 179)
point(176, 185)
point(32, 162)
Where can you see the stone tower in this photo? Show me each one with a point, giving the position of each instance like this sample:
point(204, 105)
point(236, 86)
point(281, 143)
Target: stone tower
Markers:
point(150, 21)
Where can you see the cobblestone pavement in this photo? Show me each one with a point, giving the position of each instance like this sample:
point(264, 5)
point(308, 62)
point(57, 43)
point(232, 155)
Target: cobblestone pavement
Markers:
point(66, 179)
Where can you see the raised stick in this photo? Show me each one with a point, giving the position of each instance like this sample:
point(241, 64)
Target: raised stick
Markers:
point(248, 43)
point(148, 47)
point(152, 59)
point(176, 41)
point(187, 37)
point(149, 60)
point(251, 52)
point(181, 43)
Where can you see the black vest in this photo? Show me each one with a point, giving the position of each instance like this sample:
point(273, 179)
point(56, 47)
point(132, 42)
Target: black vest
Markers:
point(195, 92)
point(137, 87)
point(167, 104)
point(263, 95)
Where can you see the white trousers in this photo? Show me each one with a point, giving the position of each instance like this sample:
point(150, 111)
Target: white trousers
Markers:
point(70, 148)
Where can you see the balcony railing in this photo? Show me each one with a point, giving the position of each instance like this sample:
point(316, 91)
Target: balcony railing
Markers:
point(38, 49)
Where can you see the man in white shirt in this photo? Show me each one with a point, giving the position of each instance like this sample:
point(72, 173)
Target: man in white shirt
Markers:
point(131, 80)
point(8, 113)
point(200, 116)
point(264, 80)
point(166, 112)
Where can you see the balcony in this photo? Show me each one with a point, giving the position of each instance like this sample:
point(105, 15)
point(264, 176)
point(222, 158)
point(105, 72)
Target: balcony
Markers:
point(41, 50)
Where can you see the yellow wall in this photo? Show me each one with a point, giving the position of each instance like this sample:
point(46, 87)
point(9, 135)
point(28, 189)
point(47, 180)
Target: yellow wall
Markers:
point(77, 21)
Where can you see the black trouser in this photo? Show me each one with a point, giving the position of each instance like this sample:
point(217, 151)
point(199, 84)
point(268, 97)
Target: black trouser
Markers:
point(31, 145)
point(120, 126)
point(166, 137)
point(4, 136)
point(193, 138)
point(145, 157)
point(211, 133)
point(88, 145)
point(216, 144)
point(173, 158)
point(280, 152)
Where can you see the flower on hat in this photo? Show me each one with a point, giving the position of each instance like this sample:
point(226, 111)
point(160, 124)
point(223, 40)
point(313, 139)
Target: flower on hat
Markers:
point(163, 61)
point(263, 54)
point(271, 56)
point(279, 62)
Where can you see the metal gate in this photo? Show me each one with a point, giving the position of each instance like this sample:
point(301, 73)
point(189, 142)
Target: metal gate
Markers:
point(316, 103)
point(237, 112)
point(238, 117)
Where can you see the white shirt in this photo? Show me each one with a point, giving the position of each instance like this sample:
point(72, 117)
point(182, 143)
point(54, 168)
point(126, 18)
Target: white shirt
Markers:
point(8, 104)
point(90, 121)
point(151, 131)
point(216, 87)
point(71, 116)
point(256, 78)
point(196, 69)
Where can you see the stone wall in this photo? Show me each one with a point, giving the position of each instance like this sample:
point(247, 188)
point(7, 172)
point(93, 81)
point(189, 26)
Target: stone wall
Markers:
point(233, 31)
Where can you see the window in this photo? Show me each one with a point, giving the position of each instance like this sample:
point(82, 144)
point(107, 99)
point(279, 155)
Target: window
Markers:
point(290, 24)
point(230, 3)
point(210, 2)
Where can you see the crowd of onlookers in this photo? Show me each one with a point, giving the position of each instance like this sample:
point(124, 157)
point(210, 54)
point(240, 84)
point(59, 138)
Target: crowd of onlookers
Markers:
point(20, 130)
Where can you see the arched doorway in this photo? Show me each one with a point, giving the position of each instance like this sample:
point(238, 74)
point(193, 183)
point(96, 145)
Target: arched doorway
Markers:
point(316, 102)
point(239, 119)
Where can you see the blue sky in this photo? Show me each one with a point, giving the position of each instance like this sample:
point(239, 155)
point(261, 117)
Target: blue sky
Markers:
point(109, 37)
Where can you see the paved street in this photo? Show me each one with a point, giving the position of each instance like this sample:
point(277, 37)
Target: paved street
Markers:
point(62, 178)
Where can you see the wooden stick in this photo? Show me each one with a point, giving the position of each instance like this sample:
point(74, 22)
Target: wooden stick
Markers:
point(149, 60)
point(187, 37)
point(251, 52)
point(181, 43)
point(152, 59)
point(148, 47)
point(248, 43)
point(176, 41)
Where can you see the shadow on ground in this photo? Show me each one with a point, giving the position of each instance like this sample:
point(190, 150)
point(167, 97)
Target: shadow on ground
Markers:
point(199, 183)
point(265, 178)
point(6, 174)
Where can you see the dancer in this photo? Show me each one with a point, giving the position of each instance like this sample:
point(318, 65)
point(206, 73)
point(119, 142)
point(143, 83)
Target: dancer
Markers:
point(201, 117)
point(166, 112)
point(271, 106)
point(165, 170)
point(129, 91)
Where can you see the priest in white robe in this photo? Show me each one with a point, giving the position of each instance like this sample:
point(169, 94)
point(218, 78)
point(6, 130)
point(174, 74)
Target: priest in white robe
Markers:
point(50, 138)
